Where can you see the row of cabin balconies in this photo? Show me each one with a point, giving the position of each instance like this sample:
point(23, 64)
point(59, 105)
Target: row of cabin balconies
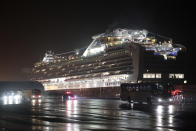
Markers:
point(101, 65)
point(100, 75)
point(92, 75)
point(95, 59)
point(100, 70)
point(82, 72)
point(111, 71)
point(89, 70)
point(81, 60)
point(66, 65)
point(115, 67)
point(115, 59)
point(78, 61)
point(116, 62)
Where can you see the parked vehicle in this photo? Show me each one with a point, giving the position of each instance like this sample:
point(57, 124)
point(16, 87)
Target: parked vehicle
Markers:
point(69, 96)
point(151, 93)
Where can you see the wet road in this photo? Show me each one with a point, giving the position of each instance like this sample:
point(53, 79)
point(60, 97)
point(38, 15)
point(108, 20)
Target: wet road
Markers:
point(94, 114)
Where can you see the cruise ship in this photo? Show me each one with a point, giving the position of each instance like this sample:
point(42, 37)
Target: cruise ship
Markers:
point(112, 58)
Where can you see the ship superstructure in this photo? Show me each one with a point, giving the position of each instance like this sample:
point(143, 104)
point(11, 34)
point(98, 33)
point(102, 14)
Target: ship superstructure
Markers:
point(112, 58)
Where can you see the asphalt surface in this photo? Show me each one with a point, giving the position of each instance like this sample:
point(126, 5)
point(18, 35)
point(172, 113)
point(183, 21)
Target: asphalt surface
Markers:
point(95, 114)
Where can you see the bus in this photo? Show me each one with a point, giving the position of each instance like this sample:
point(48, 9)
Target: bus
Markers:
point(150, 93)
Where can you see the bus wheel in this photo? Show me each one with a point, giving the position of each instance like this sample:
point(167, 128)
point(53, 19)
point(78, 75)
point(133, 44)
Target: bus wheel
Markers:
point(149, 102)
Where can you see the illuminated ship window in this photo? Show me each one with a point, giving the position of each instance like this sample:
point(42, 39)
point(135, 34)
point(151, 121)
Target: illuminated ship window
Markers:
point(94, 74)
point(176, 76)
point(171, 75)
point(105, 73)
point(148, 75)
point(158, 75)
point(112, 64)
point(179, 76)
point(49, 74)
point(69, 57)
point(117, 72)
point(43, 70)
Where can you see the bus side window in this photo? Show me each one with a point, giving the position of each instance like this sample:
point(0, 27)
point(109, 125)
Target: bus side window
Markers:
point(149, 88)
point(154, 90)
point(127, 88)
point(137, 89)
point(142, 88)
point(133, 88)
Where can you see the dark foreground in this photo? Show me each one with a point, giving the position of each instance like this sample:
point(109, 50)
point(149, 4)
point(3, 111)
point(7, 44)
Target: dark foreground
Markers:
point(95, 114)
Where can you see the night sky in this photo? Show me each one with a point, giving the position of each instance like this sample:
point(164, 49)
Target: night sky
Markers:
point(28, 30)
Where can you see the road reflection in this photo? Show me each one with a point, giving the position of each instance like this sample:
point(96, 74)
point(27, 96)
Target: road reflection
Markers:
point(91, 114)
point(71, 112)
point(164, 116)
point(159, 117)
point(170, 115)
point(71, 108)
point(36, 102)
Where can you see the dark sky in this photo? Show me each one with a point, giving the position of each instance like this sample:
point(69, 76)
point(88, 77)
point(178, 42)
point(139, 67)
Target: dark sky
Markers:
point(27, 30)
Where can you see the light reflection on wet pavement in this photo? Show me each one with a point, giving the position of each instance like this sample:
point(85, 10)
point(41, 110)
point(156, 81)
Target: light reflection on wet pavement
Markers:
point(93, 114)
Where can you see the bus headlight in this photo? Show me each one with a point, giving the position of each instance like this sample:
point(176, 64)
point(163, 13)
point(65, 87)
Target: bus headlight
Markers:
point(39, 100)
point(159, 100)
point(16, 97)
point(170, 99)
point(4, 98)
point(33, 101)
